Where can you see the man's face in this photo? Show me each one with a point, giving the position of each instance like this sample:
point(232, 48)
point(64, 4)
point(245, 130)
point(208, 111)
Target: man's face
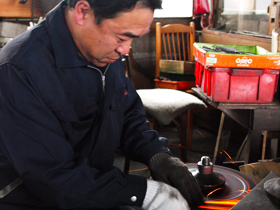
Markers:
point(103, 44)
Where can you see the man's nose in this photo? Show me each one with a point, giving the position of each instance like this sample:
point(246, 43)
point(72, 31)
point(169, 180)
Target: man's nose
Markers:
point(124, 47)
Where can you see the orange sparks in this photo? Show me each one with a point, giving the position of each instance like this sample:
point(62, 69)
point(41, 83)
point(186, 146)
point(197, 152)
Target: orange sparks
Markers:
point(228, 157)
point(245, 191)
point(178, 145)
point(214, 191)
point(227, 154)
point(199, 132)
point(214, 207)
point(223, 202)
point(142, 169)
point(219, 204)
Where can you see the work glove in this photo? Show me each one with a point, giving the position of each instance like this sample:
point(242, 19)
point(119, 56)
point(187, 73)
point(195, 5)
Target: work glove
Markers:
point(160, 196)
point(172, 171)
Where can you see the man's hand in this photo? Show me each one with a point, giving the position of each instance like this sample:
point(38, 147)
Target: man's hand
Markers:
point(160, 196)
point(174, 172)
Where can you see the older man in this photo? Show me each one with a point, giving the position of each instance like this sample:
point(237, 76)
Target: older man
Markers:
point(66, 106)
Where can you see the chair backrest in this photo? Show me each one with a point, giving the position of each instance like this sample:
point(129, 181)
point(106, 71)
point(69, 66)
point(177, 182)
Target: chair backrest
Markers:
point(175, 42)
point(127, 63)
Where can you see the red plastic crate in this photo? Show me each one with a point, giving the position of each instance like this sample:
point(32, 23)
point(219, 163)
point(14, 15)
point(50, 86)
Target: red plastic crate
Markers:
point(237, 85)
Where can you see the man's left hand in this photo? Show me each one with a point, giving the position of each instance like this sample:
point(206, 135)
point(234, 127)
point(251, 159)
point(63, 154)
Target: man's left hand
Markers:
point(174, 172)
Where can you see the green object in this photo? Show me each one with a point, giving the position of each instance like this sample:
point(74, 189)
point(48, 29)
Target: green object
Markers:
point(243, 48)
point(178, 67)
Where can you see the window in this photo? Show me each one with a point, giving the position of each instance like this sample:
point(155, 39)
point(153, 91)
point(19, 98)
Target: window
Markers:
point(175, 8)
point(240, 15)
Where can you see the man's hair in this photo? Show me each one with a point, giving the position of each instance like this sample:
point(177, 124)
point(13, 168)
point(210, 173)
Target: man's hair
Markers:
point(108, 9)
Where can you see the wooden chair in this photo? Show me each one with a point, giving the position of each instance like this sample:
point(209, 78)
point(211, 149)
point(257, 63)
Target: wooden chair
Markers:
point(175, 41)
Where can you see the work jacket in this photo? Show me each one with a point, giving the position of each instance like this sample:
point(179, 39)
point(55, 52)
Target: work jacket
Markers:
point(61, 121)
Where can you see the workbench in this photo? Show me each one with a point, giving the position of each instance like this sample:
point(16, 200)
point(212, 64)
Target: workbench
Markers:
point(256, 118)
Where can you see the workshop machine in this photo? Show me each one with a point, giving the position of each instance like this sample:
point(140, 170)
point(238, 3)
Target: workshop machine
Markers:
point(226, 188)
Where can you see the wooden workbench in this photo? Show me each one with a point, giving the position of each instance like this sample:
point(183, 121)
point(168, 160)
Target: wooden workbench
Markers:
point(254, 117)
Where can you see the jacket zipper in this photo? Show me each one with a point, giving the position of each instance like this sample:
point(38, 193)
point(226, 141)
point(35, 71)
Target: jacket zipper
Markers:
point(102, 75)
point(10, 187)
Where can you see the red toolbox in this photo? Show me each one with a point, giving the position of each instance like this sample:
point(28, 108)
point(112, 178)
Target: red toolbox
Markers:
point(235, 83)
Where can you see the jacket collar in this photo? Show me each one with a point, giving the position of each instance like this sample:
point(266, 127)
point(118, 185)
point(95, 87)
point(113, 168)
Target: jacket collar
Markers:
point(65, 50)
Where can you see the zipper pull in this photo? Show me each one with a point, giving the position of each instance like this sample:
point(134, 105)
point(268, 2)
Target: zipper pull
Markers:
point(103, 82)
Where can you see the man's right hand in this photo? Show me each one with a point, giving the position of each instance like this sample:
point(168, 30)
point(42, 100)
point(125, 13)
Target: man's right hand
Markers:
point(161, 196)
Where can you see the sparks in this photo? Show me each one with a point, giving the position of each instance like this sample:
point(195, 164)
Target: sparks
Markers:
point(214, 191)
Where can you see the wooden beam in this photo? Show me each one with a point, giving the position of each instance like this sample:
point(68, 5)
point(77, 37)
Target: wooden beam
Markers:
point(12, 8)
point(220, 37)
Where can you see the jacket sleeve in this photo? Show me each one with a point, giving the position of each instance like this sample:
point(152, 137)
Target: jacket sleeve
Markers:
point(139, 141)
point(33, 141)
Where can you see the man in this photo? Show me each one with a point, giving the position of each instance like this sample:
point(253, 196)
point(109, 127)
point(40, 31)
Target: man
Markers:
point(66, 106)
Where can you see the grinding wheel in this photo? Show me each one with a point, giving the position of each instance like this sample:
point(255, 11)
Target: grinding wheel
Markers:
point(237, 185)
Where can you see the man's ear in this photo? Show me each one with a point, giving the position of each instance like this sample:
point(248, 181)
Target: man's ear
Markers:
point(82, 12)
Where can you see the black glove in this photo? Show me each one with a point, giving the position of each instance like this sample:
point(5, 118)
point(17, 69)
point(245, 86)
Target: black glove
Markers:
point(173, 171)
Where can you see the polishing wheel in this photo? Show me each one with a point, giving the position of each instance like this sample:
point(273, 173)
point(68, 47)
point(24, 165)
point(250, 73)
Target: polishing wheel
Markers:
point(227, 188)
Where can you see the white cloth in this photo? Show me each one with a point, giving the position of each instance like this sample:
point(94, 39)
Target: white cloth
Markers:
point(160, 196)
point(167, 104)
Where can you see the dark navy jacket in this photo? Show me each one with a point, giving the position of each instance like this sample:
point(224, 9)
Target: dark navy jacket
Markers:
point(59, 129)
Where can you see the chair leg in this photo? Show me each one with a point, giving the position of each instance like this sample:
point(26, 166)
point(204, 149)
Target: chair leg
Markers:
point(190, 129)
point(183, 135)
point(126, 165)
